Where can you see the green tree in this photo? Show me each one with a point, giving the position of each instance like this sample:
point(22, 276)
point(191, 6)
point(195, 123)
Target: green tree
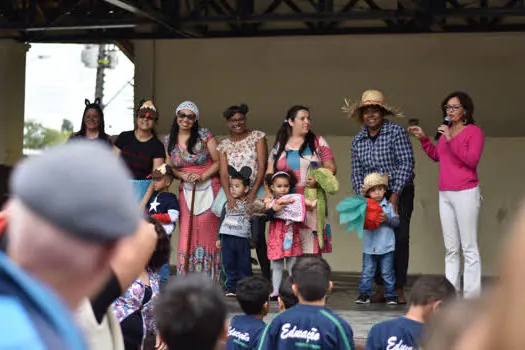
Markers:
point(67, 126)
point(37, 136)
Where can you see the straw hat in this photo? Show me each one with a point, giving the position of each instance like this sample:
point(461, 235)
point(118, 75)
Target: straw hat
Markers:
point(373, 180)
point(369, 98)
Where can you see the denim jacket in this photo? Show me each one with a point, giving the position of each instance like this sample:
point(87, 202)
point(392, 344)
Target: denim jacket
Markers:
point(382, 240)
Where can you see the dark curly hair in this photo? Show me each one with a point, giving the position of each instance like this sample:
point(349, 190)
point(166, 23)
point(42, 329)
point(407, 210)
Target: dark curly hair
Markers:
point(161, 254)
point(466, 102)
point(232, 110)
point(270, 178)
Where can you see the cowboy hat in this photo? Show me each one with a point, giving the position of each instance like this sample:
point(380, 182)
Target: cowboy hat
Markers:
point(369, 98)
point(372, 180)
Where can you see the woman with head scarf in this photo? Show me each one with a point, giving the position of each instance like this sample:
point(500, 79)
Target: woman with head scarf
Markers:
point(192, 152)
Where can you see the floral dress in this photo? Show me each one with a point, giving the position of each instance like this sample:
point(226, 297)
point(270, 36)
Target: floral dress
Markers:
point(290, 160)
point(203, 255)
point(134, 310)
point(243, 153)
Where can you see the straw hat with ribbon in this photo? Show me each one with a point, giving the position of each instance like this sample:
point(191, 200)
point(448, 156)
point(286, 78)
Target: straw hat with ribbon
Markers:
point(373, 180)
point(369, 98)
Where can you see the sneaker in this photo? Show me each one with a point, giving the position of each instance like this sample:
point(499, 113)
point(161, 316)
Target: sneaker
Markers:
point(362, 299)
point(274, 297)
point(391, 301)
point(230, 295)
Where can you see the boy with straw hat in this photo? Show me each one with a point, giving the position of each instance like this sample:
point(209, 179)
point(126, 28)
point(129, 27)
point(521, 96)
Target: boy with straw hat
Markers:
point(379, 244)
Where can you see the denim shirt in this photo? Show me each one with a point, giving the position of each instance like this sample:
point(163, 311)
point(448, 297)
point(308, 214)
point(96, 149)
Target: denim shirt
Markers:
point(382, 240)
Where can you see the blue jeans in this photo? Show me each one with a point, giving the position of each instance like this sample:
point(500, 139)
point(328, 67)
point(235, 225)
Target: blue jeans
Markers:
point(386, 266)
point(235, 255)
point(164, 271)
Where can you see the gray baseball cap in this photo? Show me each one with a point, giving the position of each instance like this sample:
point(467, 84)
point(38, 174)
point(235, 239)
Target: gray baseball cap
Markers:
point(82, 187)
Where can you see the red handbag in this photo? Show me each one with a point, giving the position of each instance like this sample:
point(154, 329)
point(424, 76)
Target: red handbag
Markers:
point(373, 215)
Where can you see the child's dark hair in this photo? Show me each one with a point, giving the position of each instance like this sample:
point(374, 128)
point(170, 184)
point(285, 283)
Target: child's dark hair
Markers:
point(161, 254)
point(286, 293)
point(232, 110)
point(282, 174)
point(431, 288)
point(243, 174)
point(190, 313)
point(169, 172)
point(252, 293)
point(311, 275)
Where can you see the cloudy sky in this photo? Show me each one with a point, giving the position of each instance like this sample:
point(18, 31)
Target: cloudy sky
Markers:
point(57, 82)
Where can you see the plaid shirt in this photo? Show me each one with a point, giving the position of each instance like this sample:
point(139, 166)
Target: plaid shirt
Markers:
point(391, 153)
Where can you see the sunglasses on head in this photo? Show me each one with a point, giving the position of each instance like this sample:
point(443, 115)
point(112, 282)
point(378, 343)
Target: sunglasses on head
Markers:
point(187, 116)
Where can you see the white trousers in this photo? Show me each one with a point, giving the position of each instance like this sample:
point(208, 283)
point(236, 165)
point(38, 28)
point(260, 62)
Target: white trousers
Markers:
point(459, 220)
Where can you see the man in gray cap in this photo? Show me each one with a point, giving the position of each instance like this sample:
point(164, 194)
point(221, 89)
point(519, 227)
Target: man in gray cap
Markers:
point(69, 208)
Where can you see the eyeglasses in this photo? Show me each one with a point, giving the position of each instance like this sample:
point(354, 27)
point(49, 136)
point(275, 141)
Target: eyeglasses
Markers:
point(147, 117)
point(240, 120)
point(187, 116)
point(452, 107)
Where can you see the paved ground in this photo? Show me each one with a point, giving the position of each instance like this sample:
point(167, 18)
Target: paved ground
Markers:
point(341, 301)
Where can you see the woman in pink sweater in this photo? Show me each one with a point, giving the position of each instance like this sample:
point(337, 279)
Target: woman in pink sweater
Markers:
point(458, 152)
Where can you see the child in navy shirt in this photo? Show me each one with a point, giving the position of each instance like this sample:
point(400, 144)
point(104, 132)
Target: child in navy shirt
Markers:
point(308, 324)
point(164, 207)
point(427, 295)
point(379, 244)
point(287, 297)
point(253, 294)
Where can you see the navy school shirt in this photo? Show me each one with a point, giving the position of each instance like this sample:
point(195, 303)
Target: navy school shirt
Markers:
point(307, 327)
point(399, 333)
point(244, 332)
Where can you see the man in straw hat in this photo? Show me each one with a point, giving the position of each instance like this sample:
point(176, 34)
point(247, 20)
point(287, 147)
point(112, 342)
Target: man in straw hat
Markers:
point(69, 208)
point(384, 146)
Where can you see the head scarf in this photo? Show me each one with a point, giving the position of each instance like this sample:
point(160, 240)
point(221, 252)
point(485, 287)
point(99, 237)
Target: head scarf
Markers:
point(189, 105)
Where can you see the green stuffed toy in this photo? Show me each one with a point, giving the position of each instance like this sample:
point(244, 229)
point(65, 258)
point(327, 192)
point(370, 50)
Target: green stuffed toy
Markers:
point(326, 184)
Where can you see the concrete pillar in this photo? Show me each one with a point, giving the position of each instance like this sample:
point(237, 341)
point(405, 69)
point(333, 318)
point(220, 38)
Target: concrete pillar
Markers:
point(144, 69)
point(12, 96)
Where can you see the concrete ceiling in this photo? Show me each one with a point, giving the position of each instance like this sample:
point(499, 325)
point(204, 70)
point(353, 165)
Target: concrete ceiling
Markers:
point(107, 20)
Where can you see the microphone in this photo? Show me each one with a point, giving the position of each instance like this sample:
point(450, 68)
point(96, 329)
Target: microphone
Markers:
point(445, 122)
